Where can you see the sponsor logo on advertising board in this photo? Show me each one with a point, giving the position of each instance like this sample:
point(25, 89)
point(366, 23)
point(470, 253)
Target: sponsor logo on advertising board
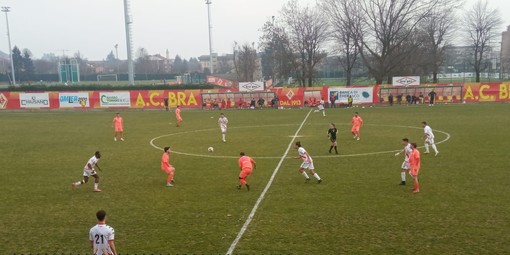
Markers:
point(34, 100)
point(73, 99)
point(114, 99)
point(3, 101)
point(406, 81)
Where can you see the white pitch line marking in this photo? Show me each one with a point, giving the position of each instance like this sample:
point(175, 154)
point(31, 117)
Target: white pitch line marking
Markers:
point(448, 136)
point(263, 194)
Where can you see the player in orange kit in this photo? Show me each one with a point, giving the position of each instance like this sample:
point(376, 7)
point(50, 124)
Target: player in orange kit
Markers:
point(246, 165)
point(357, 123)
point(415, 163)
point(166, 167)
point(118, 125)
point(178, 116)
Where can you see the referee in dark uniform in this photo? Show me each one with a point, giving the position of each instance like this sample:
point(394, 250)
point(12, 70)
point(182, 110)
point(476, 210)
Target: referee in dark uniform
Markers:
point(332, 137)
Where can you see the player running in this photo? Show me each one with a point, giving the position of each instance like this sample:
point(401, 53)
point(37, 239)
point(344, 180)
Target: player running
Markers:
point(118, 125)
point(332, 137)
point(405, 165)
point(357, 123)
point(415, 164)
point(307, 164)
point(246, 165)
point(320, 107)
point(223, 123)
point(429, 138)
point(178, 116)
point(167, 168)
point(89, 170)
point(102, 236)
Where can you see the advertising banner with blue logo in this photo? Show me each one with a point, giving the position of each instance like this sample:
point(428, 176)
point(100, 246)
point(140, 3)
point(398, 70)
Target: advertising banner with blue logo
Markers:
point(74, 99)
point(34, 100)
point(363, 95)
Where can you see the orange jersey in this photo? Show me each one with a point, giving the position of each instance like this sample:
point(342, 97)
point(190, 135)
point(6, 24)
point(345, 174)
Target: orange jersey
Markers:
point(118, 121)
point(165, 162)
point(357, 121)
point(414, 159)
point(246, 163)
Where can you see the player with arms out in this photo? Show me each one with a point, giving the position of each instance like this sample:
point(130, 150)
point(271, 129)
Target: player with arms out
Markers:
point(102, 236)
point(118, 125)
point(332, 137)
point(357, 123)
point(167, 168)
point(429, 138)
point(307, 163)
point(223, 123)
point(415, 164)
point(89, 170)
point(405, 165)
point(178, 117)
point(246, 165)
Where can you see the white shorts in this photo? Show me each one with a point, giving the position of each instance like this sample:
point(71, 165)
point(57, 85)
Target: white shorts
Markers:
point(88, 172)
point(429, 140)
point(307, 165)
point(320, 107)
point(223, 130)
point(406, 165)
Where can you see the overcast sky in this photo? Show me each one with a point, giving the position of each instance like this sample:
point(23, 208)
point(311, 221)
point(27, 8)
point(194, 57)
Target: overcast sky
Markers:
point(94, 26)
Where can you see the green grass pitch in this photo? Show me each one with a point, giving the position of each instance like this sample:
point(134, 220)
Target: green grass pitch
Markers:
point(463, 207)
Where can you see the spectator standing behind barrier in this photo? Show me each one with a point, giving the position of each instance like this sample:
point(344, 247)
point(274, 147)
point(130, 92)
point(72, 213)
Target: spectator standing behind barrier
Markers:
point(165, 102)
point(408, 99)
point(399, 99)
point(350, 100)
point(332, 99)
point(432, 98)
point(261, 102)
point(390, 99)
point(252, 103)
point(422, 98)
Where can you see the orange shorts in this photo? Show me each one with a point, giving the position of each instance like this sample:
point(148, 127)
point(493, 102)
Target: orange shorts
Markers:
point(415, 171)
point(179, 118)
point(355, 129)
point(118, 129)
point(168, 171)
point(245, 173)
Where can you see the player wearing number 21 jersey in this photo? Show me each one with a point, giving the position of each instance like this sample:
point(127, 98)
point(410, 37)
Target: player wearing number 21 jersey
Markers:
point(102, 236)
point(307, 163)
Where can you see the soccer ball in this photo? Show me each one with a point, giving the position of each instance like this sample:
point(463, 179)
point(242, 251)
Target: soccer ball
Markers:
point(210, 149)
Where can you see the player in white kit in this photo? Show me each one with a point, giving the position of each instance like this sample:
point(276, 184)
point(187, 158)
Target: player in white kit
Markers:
point(102, 236)
point(320, 108)
point(223, 123)
point(89, 170)
point(307, 163)
point(405, 165)
point(429, 138)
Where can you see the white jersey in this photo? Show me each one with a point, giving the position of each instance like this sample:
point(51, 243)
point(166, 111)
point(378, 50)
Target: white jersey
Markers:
point(407, 152)
point(304, 155)
point(321, 105)
point(223, 122)
point(428, 132)
point(92, 162)
point(99, 235)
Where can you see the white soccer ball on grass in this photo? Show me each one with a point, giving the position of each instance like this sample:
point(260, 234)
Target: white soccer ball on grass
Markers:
point(210, 149)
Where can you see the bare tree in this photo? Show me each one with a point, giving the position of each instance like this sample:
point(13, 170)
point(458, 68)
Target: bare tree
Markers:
point(308, 31)
point(345, 23)
point(386, 26)
point(278, 60)
point(482, 23)
point(437, 31)
point(245, 61)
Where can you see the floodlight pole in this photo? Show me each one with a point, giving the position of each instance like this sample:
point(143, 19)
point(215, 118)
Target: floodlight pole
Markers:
point(128, 21)
point(6, 10)
point(208, 2)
